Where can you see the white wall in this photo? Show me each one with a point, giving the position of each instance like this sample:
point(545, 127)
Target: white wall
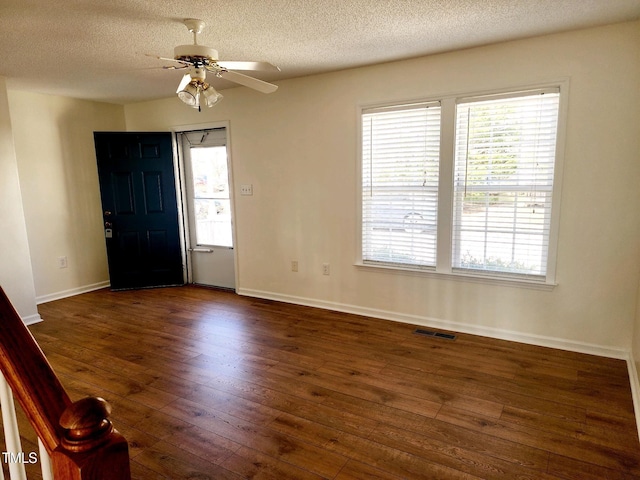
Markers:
point(59, 180)
point(15, 265)
point(298, 147)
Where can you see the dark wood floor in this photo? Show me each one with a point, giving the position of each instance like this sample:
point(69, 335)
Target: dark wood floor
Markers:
point(210, 385)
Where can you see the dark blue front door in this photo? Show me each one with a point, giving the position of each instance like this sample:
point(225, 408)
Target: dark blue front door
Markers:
point(138, 190)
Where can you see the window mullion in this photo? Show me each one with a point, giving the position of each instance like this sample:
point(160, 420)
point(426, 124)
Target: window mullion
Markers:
point(445, 193)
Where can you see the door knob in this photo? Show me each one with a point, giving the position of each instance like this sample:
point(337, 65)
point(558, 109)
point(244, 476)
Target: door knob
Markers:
point(107, 213)
point(107, 225)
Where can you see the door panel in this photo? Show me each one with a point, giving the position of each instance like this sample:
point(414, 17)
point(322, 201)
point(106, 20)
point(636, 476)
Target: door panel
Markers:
point(137, 185)
point(153, 192)
point(214, 266)
point(209, 207)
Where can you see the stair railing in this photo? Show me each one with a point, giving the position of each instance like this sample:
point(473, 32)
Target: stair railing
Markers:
point(77, 437)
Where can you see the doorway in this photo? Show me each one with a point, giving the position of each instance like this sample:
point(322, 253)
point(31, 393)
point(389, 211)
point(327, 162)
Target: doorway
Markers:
point(209, 207)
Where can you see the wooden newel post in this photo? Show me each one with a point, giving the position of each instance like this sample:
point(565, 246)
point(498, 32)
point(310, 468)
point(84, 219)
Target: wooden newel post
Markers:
point(85, 424)
point(91, 449)
point(78, 436)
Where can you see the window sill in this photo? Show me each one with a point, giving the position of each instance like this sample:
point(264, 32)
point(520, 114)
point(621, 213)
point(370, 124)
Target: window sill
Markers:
point(456, 276)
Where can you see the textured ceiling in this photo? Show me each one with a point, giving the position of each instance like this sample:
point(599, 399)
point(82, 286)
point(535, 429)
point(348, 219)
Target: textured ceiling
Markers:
point(95, 49)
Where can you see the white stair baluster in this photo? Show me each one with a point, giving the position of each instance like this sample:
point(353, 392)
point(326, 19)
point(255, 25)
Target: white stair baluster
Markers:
point(45, 462)
point(11, 433)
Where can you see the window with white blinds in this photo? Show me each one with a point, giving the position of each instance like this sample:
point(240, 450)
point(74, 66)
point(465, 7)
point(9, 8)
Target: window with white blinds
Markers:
point(480, 203)
point(400, 157)
point(503, 182)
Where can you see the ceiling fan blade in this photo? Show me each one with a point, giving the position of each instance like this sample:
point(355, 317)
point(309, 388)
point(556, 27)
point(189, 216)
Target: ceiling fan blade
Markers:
point(166, 59)
point(173, 67)
point(184, 82)
point(263, 66)
point(247, 81)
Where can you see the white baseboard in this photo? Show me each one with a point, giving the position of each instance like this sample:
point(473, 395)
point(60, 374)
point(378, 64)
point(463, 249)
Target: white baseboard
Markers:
point(70, 293)
point(532, 339)
point(31, 319)
point(635, 388)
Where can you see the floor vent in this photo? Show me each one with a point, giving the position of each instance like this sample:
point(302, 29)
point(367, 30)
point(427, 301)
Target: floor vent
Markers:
point(429, 333)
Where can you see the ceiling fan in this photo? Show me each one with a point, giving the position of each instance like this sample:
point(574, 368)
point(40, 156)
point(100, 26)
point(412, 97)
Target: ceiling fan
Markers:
point(200, 59)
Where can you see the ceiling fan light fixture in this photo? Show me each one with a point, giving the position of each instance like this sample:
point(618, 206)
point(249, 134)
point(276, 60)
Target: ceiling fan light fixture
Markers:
point(210, 95)
point(190, 94)
point(198, 93)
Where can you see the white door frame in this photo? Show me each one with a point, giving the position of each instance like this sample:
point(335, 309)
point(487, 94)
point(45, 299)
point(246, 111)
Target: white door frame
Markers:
point(182, 175)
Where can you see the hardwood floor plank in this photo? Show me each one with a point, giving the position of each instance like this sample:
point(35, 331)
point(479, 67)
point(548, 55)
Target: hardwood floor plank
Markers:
point(572, 469)
point(178, 464)
point(578, 393)
point(205, 444)
point(620, 430)
point(116, 384)
point(404, 464)
point(603, 435)
point(260, 438)
point(492, 446)
point(470, 460)
point(376, 412)
point(353, 446)
point(614, 458)
point(336, 420)
point(138, 440)
point(252, 464)
point(374, 393)
point(511, 393)
point(208, 384)
point(426, 388)
point(354, 470)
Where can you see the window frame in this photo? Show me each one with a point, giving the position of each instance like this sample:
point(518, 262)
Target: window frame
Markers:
point(419, 193)
point(444, 241)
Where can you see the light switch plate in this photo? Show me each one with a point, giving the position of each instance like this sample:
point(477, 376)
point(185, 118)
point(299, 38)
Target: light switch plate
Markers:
point(246, 189)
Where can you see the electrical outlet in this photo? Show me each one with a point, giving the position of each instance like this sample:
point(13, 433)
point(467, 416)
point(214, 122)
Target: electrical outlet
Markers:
point(325, 269)
point(294, 265)
point(246, 189)
point(62, 262)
